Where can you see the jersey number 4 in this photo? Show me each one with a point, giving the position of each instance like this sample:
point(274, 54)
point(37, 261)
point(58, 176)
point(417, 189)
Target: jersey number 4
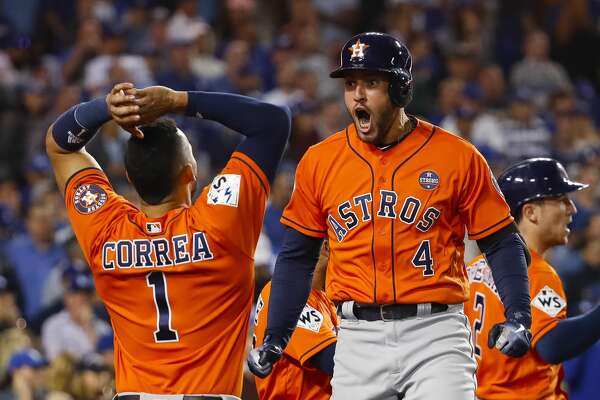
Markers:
point(422, 259)
point(164, 332)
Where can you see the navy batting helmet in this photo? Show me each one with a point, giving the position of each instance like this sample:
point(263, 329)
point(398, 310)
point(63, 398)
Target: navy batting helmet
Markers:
point(380, 52)
point(535, 178)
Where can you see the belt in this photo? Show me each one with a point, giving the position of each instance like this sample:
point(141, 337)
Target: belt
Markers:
point(385, 312)
point(184, 397)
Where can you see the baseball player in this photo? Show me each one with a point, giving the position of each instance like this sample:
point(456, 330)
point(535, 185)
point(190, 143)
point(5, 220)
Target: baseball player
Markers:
point(305, 370)
point(176, 276)
point(537, 192)
point(394, 194)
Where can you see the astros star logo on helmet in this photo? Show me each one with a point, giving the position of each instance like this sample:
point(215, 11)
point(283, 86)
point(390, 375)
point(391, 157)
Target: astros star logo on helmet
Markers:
point(358, 50)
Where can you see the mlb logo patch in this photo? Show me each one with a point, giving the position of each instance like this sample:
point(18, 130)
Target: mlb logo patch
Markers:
point(429, 180)
point(548, 301)
point(89, 198)
point(225, 190)
point(310, 319)
point(153, 227)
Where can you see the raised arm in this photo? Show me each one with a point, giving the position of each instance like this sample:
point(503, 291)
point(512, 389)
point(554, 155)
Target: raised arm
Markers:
point(266, 126)
point(67, 136)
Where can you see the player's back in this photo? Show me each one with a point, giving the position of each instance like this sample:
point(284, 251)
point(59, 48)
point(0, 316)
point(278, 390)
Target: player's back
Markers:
point(502, 377)
point(178, 288)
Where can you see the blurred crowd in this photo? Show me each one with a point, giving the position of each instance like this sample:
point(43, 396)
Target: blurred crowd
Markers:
point(518, 78)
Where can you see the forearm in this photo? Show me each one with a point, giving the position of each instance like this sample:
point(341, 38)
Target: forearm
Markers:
point(267, 127)
point(508, 257)
point(570, 337)
point(291, 284)
point(246, 115)
point(77, 126)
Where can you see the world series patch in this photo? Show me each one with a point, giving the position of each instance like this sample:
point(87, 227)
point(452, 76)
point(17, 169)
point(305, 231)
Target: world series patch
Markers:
point(429, 180)
point(89, 198)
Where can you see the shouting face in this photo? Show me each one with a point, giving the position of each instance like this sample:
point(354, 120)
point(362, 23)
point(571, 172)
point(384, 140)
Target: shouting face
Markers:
point(368, 102)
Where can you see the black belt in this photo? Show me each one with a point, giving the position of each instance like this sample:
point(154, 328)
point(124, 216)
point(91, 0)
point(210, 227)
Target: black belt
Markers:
point(374, 312)
point(198, 397)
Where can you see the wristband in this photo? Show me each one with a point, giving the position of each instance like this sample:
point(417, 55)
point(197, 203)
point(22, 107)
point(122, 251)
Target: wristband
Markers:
point(78, 125)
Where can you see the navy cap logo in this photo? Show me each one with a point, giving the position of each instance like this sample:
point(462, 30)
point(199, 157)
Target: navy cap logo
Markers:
point(358, 51)
point(429, 180)
point(89, 198)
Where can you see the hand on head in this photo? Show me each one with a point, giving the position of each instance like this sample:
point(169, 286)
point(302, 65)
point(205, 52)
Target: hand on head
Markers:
point(131, 107)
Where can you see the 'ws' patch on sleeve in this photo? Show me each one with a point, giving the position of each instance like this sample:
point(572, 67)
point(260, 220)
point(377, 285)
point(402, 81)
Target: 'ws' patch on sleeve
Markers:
point(225, 190)
point(310, 319)
point(89, 198)
point(548, 301)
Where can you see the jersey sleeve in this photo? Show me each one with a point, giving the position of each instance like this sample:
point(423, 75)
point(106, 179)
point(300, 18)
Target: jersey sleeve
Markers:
point(316, 329)
point(93, 207)
point(482, 207)
point(548, 304)
point(235, 202)
point(303, 212)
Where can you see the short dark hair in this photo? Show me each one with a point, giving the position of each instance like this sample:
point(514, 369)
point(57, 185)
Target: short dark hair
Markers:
point(151, 162)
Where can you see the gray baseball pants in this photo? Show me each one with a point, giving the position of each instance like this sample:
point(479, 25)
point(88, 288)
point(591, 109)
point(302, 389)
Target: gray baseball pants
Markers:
point(428, 357)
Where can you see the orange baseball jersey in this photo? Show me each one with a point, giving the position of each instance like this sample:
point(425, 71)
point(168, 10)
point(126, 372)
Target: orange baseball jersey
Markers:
point(396, 218)
point(178, 288)
point(292, 377)
point(500, 376)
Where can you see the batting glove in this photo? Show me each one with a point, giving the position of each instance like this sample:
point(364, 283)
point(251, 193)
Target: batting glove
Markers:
point(261, 360)
point(511, 338)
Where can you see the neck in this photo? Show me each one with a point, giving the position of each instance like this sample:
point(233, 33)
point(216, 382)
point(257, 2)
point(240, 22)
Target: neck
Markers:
point(532, 239)
point(401, 126)
point(158, 210)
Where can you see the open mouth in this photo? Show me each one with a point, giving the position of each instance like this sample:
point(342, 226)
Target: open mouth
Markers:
point(364, 119)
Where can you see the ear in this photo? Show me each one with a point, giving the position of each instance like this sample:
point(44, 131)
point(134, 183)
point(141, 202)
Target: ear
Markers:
point(530, 212)
point(187, 174)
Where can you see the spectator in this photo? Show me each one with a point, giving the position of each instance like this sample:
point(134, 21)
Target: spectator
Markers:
point(76, 329)
point(33, 255)
point(179, 74)
point(525, 133)
point(25, 368)
point(536, 72)
point(93, 379)
point(287, 92)
point(97, 75)
point(13, 334)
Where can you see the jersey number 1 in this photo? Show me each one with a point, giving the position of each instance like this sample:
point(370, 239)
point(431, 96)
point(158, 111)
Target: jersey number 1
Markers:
point(164, 332)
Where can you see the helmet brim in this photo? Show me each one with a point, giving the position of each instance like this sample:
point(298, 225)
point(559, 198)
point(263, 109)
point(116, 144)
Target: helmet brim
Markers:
point(342, 72)
point(567, 187)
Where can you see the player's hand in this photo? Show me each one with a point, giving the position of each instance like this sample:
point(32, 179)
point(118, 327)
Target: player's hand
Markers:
point(261, 360)
point(511, 338)
point(122, 107)
point(156, 101)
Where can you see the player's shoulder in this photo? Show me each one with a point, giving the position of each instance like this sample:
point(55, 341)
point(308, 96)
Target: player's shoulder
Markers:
point(541, 267)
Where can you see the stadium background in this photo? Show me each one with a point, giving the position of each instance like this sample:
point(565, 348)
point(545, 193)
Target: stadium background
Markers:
point(519, 78)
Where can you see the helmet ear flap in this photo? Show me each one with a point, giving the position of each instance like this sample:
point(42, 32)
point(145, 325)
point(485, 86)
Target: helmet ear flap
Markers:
point(401, 88)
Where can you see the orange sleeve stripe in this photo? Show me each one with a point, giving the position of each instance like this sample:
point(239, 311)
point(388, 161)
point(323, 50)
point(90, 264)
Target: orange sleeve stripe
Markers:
point(316, 348)
point(76, 175)
point(307, 231)
point(489, 230)
point(256, 170)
